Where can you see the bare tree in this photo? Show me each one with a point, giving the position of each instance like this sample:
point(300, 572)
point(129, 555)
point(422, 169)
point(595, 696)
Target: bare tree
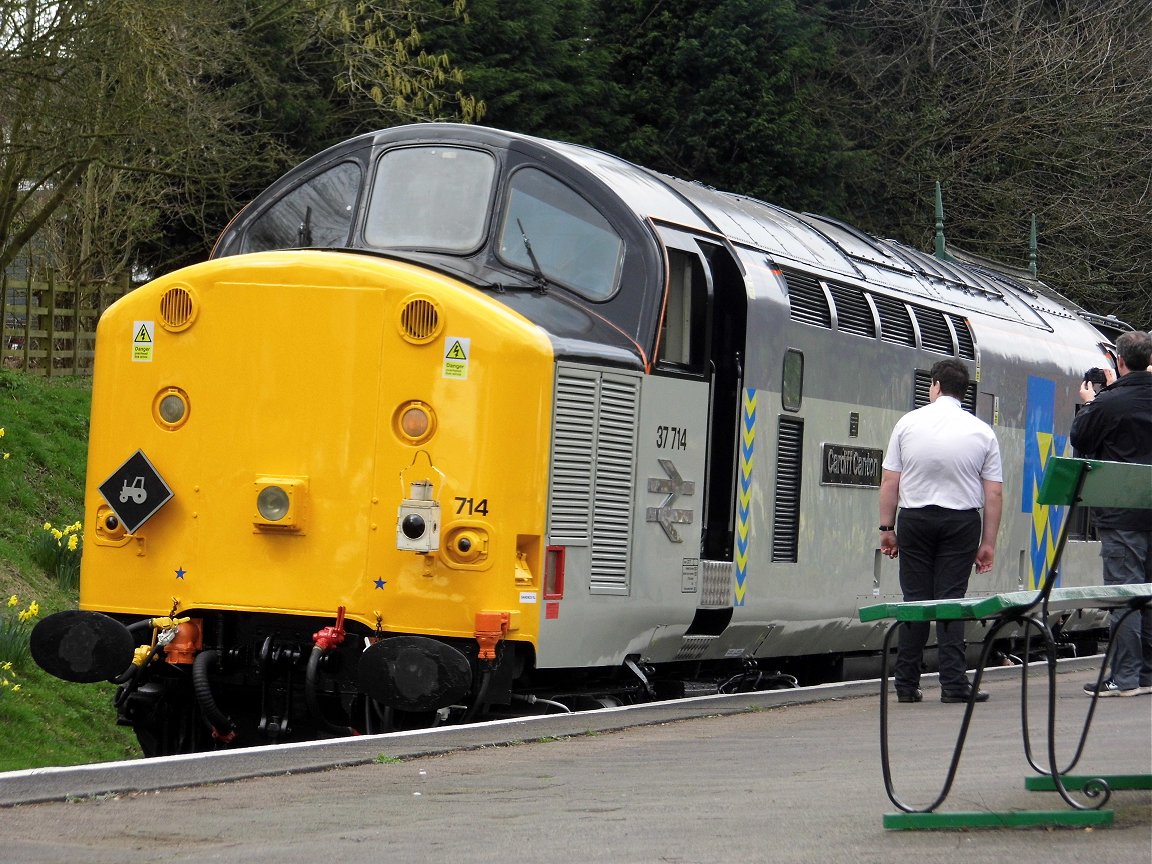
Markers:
point(118, 114)
point(1017, 107)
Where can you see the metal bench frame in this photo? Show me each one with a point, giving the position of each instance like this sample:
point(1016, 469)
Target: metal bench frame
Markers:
point(1069, 482)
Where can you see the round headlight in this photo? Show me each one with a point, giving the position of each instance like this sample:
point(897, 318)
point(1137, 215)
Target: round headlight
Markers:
point(273, 503)
point(170, 408)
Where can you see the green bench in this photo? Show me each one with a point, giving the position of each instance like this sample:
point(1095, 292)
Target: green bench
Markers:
point(1066, 482)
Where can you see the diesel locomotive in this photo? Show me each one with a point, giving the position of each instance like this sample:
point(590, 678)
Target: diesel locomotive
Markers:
point(457, 423)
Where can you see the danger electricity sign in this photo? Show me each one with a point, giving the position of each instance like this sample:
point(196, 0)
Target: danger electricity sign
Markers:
point(457, 350)
point(143, 340)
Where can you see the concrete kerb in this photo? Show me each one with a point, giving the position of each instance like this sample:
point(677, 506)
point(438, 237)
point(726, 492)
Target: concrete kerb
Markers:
point(144, 775)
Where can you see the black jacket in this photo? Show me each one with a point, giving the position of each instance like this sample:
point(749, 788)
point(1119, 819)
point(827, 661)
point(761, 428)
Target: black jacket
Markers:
point(1117, 426)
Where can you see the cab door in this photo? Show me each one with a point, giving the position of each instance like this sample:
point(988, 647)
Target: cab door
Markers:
point(702, 340)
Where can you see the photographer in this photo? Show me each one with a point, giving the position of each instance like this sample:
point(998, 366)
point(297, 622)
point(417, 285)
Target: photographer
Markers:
point(1116, 425)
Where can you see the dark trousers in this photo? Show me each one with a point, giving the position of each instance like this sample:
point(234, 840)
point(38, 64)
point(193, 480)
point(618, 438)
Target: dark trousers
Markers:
point(937, 550)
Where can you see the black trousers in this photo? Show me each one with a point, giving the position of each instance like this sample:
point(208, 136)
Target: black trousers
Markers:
point(937, 551)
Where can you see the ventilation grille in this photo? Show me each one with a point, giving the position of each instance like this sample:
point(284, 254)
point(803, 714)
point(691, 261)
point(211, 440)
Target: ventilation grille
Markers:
point(807, 300)
point(935, 334)
point(177, 309)
point(573, 444)
point(615, 470)
point(895, 325)
point(786, 513)
point(965, 344)
point(593, 470)
point(853, 314)
point(420, 320)
point(924, 384)
point(856, 311)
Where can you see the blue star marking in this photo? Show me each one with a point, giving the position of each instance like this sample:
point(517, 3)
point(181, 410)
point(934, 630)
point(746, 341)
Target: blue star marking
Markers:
point(180, 573)
point(380, 583)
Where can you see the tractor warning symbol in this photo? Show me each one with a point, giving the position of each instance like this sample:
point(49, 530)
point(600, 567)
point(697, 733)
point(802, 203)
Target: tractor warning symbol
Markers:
point(457, 350)
point(143, 339)
point(135, 491)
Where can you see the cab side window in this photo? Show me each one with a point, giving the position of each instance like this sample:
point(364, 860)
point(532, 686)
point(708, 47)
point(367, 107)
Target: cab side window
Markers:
point(682, 333)
point(316, 214)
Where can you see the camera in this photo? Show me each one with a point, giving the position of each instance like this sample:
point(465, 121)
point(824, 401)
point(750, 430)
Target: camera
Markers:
point(1095, 377)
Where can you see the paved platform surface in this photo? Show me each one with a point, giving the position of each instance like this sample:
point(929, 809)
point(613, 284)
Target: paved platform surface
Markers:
point(778, 777)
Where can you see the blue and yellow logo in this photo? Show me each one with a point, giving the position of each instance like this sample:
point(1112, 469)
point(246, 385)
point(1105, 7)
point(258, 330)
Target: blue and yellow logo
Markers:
point(1040, 442)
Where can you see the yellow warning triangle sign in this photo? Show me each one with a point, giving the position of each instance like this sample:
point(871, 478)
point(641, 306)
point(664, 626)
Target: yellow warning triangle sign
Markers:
point(142, 335)
point(456, 352)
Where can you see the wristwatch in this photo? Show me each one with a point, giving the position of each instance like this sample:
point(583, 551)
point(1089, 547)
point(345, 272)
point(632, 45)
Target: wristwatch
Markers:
point(887, 527)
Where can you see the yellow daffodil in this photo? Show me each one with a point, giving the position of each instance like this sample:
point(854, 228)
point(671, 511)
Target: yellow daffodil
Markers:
point(17, 688)
point(34, 608)
point(13, 600)
point(47, 526)
point(6, 666)
point(73, 542)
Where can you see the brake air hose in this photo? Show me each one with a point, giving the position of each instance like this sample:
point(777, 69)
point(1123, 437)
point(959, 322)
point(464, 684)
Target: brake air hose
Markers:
point(312, 699)
point(216, 718)
point(481, 695)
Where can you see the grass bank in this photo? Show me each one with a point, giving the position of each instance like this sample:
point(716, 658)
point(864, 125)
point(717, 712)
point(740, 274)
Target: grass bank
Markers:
point(42, 461)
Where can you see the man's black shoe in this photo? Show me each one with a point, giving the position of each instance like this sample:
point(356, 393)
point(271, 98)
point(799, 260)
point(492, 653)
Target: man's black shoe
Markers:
point(962, 696)
point(909, 696)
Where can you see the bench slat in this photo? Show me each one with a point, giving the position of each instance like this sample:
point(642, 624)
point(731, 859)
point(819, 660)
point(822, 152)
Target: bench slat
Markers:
point(1108, 484)
point(974, 608)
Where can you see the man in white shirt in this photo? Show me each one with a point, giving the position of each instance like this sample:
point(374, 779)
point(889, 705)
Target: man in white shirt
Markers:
point(942, 467)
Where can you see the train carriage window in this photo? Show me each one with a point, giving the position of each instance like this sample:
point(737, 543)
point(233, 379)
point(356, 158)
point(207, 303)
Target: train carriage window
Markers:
point(430, 198)
point(317, 213)
point(792, 384)
point(553, 232)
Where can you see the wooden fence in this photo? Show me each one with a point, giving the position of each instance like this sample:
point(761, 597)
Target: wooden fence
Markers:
point(49, 328)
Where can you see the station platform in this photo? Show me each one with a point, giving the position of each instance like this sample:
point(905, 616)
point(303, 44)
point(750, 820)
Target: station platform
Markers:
point(783, 776)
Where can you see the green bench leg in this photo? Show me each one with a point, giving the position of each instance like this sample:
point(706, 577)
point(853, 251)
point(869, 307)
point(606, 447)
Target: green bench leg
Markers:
point(1007, 819)
point(1044, 783)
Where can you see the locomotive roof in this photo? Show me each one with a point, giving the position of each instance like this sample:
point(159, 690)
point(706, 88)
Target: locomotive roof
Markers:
point(830, 245)
point(805, 239)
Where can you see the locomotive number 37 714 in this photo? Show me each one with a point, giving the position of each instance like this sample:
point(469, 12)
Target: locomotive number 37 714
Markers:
point(671, 438)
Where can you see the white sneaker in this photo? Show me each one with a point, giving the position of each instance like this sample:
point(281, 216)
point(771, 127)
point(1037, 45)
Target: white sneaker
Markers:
point(1109, 688)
